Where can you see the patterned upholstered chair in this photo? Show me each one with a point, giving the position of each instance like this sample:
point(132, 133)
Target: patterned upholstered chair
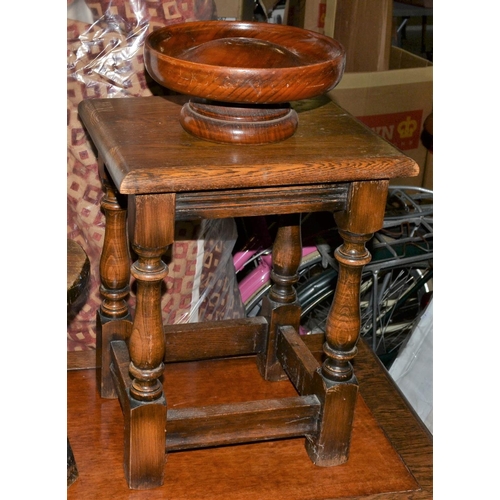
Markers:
point(105, 60)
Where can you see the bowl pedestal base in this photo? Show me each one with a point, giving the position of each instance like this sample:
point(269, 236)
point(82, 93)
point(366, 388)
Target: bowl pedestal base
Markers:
point(237, 124)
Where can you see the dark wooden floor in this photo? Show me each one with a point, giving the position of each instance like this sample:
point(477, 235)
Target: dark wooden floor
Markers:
point(391, 451)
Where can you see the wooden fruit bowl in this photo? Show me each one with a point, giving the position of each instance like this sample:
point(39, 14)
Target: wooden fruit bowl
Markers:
point(244, 74)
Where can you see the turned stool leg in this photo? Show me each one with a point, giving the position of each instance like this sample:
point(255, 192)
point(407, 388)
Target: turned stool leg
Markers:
point(113, 317)
point(282, 307)
point(152, 231)
point(336, 384)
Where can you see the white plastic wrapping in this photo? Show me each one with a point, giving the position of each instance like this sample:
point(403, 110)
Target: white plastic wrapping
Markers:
point(412, 369)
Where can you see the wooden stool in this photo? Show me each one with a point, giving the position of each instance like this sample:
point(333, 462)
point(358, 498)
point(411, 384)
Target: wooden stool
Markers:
point(155, 173)
point(78, 273)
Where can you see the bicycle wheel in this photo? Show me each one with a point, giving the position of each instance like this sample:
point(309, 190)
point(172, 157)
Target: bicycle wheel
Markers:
point(399, 295)
point(315, 297)
point(391, 303)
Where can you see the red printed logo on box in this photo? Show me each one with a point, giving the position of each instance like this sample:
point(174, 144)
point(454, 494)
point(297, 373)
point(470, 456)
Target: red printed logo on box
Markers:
point(321, 15)
point(400, 129)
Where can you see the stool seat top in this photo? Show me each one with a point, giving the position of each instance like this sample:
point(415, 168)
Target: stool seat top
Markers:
point(146, 150)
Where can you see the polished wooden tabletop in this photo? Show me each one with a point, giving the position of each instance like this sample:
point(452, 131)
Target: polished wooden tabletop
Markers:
point(329, 146)
point(390, 458)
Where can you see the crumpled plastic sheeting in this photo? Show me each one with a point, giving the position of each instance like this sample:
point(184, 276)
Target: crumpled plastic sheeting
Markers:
point(412, 369)
point(105, 60)
point(106, 51)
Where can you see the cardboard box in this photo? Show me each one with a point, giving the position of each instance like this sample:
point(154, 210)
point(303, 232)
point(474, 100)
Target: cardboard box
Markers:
point(364, 28)
point(235, 10)
point(393, 103)
point(314, 15)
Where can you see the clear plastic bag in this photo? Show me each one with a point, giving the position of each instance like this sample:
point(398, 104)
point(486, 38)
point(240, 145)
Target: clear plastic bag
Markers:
point(412, 369)
point(105, 60)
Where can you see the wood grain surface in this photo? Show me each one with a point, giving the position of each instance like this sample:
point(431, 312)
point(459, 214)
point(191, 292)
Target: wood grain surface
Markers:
point(146, 150)
point(247, 62)
point(390, 458)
